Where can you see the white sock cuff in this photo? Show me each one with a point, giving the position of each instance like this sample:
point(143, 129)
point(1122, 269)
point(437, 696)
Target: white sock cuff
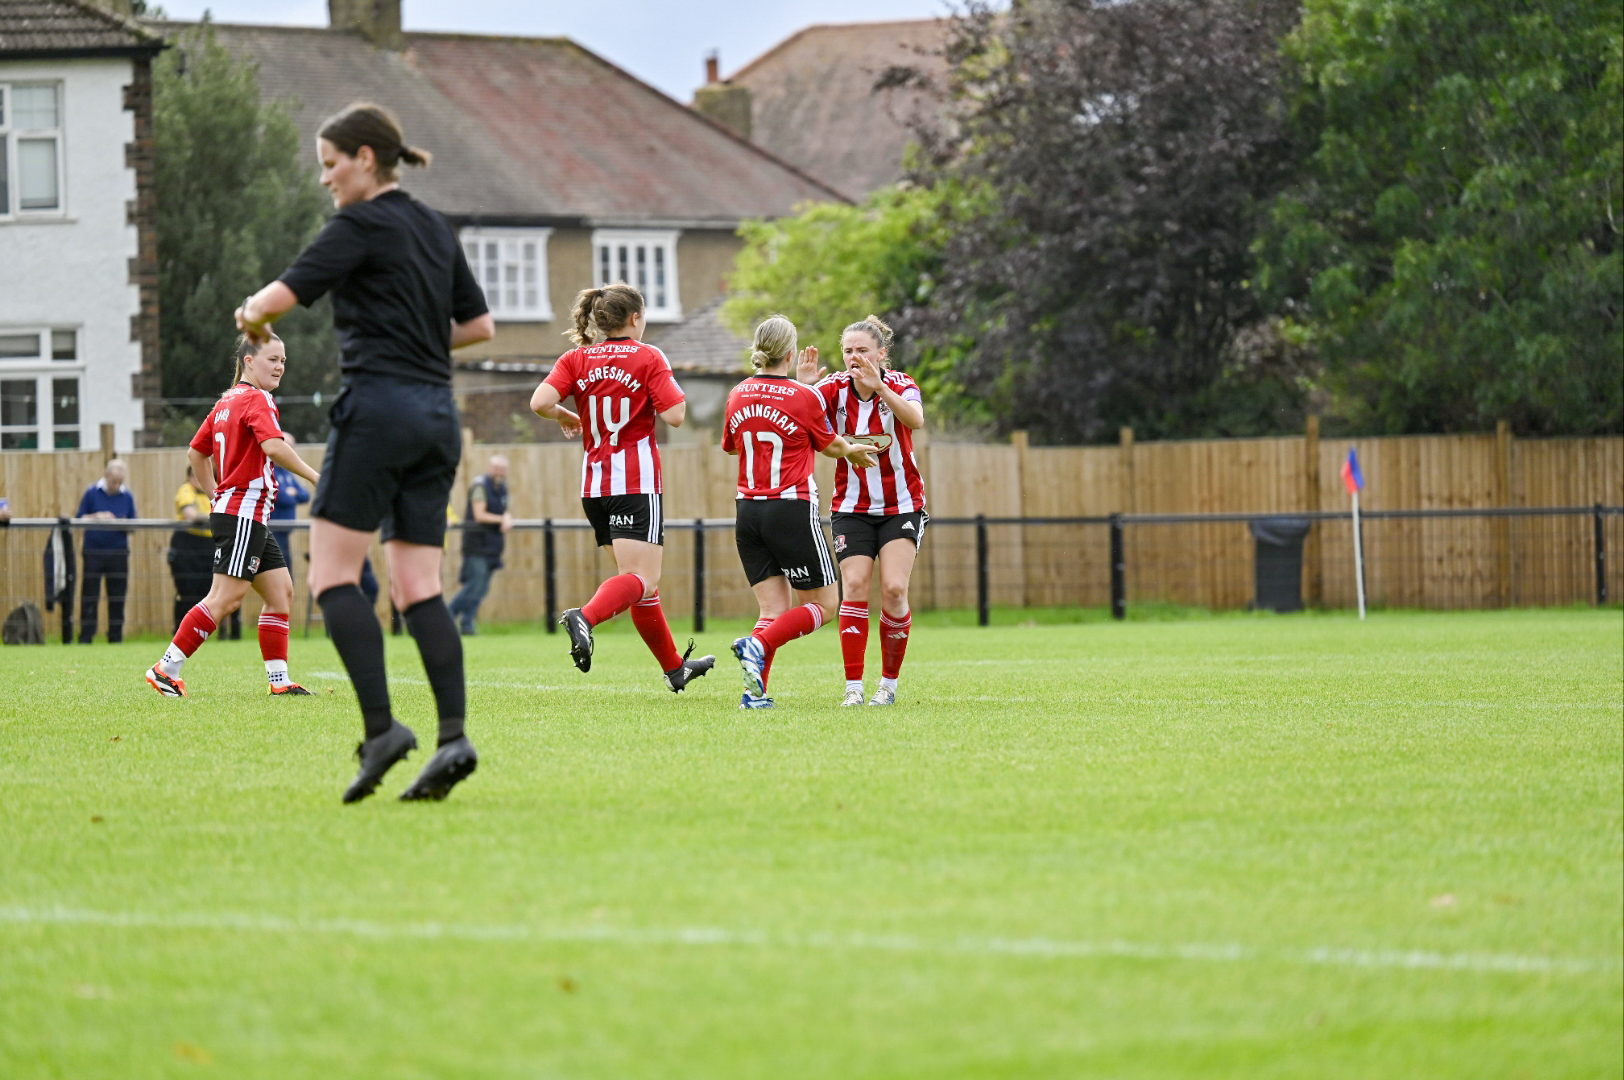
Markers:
point(856, 611)
point(817, 614)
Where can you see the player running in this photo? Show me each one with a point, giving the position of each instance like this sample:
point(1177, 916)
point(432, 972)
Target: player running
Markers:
point(620, 385)
point(877, 512)
point(231, 454)
point(774, 424)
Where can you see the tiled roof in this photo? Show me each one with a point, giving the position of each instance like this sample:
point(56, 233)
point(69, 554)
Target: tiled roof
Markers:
point(528, 128)
point(702, 343)
point(38, 28)
point(814, 102)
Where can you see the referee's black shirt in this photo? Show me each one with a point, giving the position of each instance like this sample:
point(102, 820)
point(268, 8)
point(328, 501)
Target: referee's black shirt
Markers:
point(398, 279)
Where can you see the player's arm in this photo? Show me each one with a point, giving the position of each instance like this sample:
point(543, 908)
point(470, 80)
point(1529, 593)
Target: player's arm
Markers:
point(910, 410)
point(676, 414)
point(545, 403)
point(479, 328)
point(263, 308)
point(202, 467)
point(287, 457)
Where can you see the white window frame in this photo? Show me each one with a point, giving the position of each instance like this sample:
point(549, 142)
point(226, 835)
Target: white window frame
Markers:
point(509, 243)
point(45, 427)
point(11, 209)
point(44, 352)
point(659, 248)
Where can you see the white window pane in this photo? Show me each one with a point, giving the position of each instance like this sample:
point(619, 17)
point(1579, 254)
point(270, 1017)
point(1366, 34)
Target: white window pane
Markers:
point(64, 345)
point(18, 404)
point(65, 402)
point(603, 265)
point(471, 250)
point(33, 107)
point(5, 173)
point(530, 252)
point(532, 300)
point(18, 346)
point(2, 106)
point(36, 174)
point(625, 275)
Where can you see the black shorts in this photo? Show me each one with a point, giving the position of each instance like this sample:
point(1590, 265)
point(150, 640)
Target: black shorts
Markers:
point(626, 517)
point(866, 534)
point(391, 459)
point(783, 538)
point(244, 548)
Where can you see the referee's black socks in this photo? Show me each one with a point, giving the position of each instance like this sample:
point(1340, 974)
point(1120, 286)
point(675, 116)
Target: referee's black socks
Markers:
point(438, 642)
point(358, 637)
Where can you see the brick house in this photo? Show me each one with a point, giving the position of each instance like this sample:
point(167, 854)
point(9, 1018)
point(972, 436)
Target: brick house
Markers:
point(561, 171)
point(78, 230)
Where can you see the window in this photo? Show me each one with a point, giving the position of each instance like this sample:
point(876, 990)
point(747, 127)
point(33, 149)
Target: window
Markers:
point(40, 412)
point(65, 413)
point(647, 260)
point(511, 267)
point(30, 148)
point(19, 414)
point(33, 345)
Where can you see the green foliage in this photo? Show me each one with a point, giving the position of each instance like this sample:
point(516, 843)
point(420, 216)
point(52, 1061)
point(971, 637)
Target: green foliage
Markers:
point(1453, 248)
point(237, 202)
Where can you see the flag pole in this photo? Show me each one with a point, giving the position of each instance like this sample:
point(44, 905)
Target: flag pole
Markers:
point(1358, 557)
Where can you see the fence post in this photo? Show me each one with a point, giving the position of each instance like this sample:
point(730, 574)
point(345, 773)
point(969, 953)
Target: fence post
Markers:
point(699, 575)
point(549, 559)
point(1119, 580)
point(1601, 557)
point(983, 615)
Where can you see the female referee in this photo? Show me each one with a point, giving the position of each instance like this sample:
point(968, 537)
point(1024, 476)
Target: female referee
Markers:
point(775, 425)
point(620, 384)
point(403, 298)
point(231, 455)
point(877, 513)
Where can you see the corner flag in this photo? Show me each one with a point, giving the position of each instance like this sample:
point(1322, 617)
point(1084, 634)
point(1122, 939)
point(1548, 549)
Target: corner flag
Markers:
point(1352, 478)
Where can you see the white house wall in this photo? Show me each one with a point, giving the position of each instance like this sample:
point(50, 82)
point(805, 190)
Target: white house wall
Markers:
point(73, 270)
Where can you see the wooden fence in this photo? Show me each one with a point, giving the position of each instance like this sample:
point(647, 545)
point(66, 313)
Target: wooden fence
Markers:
point(1454, 563)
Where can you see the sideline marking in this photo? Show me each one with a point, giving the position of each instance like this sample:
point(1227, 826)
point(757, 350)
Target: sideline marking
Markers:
point(1384, 959)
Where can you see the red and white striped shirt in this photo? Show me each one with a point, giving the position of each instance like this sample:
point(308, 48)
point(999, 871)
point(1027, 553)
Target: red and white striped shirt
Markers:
point(619, 386)
point(777, 426)
point(245, 483)
point(894, 486)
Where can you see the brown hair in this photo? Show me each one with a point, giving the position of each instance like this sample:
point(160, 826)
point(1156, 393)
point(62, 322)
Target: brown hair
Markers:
point(874, 328)
point(366, 124)
point(246, 348)
point(604, 309)
point(775, 342)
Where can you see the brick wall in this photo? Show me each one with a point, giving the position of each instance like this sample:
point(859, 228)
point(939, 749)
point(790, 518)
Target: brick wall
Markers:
point(142, 212)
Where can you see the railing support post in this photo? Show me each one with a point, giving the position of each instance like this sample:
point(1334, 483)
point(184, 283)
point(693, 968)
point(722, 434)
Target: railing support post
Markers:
point(983, 611)
point(1601, 556)
point(1119, 577)
point(699, 575)
point(549, 561)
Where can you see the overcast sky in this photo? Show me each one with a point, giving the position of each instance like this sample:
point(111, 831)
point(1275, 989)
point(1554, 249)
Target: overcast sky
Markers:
point(662, 42)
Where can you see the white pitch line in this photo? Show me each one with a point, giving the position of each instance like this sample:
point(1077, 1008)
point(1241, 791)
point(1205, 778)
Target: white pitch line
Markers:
point(1046, 948)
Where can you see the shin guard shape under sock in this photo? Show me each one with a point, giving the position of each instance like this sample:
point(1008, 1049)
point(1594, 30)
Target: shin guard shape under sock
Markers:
point(649, 618)
point(359, 641)
point(613, 596)
point(893, 642)
point(853, 639)
point(438, 642)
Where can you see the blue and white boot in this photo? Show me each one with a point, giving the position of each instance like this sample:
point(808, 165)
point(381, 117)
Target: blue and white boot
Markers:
point(749, 702)
point(752, 655)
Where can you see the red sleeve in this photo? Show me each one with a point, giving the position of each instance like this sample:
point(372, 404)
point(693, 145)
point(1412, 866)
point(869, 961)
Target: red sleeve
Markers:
point(729, 444)
point(829, 391)
point(259, 418)
point(816, 419)
point(203, 441)
point(663, 390)
point(562, 377)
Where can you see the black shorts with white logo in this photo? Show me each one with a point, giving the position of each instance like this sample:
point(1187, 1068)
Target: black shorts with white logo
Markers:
point(783, 538)
point(866, 534)
point(626, 517)
point(244, 548)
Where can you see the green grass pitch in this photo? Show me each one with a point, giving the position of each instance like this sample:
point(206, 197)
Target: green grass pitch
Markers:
point(1240, 846)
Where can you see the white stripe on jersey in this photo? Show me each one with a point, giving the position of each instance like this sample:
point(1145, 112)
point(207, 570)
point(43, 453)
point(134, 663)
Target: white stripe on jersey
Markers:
point(905, 504)
point(595, 482)
point(645, 464)
point(617, 473)
point(873, 478)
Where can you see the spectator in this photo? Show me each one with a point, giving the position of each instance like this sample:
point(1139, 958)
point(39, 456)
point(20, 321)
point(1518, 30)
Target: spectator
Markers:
point(106, 552)
point(290, 494)
point(191, 550)
point(5, 511)
point(483, 541)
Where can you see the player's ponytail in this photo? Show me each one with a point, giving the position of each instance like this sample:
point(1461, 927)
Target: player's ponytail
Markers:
point(366, 124)
point(246, 347)
point(774, 344)
point(603, 310)
point(876, 329)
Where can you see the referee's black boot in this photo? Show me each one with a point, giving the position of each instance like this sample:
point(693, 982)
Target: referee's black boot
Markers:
point(451, 764)
point(378, 755)
point(689, 670)
point(580, 632)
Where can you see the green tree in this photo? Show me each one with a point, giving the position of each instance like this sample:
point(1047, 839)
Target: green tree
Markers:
point(1453, 248)
point(237, 202)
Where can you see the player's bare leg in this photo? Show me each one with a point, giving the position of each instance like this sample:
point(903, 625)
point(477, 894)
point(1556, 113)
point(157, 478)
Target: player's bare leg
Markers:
point(896, 619)
point(275, 587)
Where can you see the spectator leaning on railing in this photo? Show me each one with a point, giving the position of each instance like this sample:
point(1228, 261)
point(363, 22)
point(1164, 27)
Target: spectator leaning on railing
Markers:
point(106, 552)
point(482, 546)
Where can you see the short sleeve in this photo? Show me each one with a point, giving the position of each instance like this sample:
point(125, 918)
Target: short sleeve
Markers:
point(467, 298)
point(663, 390)
point(476, 491)
point(829, 390)
point(336, 251)
point(183, 499)
point(907, 389)
point(203, 441)
point(562, 377)
point(816, 420)
point(261, 419)
point(729, 443)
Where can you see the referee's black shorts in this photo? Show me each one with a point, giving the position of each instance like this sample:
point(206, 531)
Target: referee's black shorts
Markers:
point(244, 548)
point(783, 538)
point(391, 459)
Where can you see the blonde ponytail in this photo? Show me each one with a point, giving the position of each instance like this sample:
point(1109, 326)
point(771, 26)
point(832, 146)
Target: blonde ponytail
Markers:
point(775, 342)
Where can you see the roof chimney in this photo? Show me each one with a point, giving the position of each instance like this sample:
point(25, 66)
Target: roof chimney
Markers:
point(723, 102)
point(376, 20)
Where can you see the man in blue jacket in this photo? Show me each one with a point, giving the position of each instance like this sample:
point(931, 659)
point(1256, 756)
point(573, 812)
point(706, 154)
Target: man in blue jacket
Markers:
point(488, 524)
point(106, 552)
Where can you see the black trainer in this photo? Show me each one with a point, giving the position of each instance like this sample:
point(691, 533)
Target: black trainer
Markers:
point(378, 756)
point(580, 632)
point(451, 763)
point(689, 670)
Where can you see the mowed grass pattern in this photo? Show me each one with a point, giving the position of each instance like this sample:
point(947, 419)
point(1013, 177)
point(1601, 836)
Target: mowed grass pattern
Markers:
point(1240, 846)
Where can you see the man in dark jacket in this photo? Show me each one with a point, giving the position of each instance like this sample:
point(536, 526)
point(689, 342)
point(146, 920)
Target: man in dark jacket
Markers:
point(482, 542)
point(106, 552)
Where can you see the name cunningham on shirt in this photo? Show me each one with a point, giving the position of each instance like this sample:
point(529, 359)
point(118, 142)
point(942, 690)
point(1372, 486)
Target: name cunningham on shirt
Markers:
point(765, 412)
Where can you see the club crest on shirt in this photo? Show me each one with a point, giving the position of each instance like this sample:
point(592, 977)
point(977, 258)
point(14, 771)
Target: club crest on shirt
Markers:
point(840, 542)
point(881, 443)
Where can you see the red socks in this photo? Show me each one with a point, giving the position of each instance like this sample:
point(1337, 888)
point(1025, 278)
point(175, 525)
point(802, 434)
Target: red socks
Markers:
point(649, 618)
point(853, 639)
point(893, 643)
point(614, 596)
point(767, 666)
point(794, 623)
point(194, 629)
point(273, 637)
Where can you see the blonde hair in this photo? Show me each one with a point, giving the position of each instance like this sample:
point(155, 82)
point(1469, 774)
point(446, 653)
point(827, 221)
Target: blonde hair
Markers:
point(874, 328)
point(604, 309)
point(246, 347)
point(775, 342)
